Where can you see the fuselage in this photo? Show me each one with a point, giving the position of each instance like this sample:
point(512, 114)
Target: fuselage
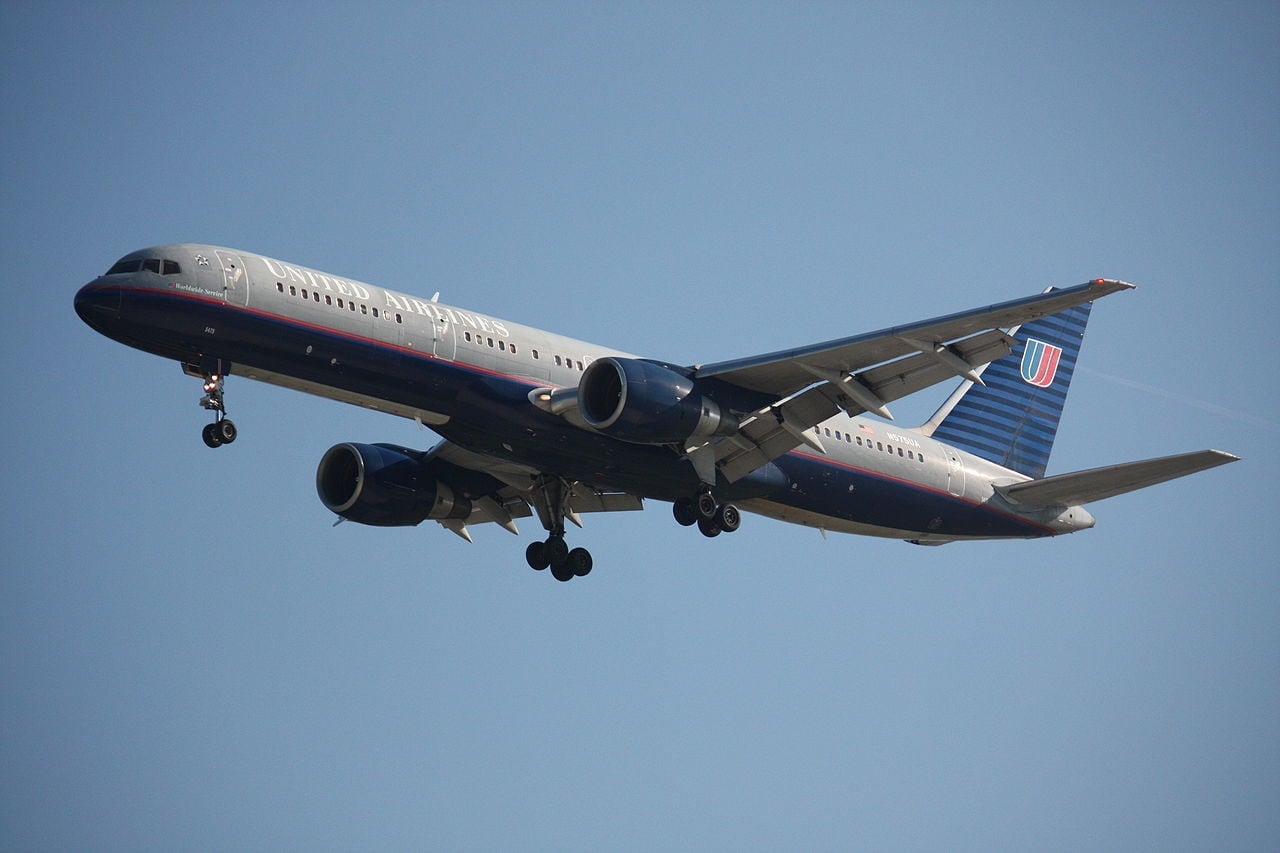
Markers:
point(468, 376)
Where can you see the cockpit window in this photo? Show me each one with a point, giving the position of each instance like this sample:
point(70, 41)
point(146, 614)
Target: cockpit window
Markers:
point(159, 266)
point(125, 266)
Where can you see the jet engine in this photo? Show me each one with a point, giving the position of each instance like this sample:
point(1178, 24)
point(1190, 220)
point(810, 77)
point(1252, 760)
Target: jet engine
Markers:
point(646, 403)
point(385, 486)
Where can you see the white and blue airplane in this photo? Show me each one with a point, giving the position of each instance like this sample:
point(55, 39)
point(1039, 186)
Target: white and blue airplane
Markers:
point(536, 423)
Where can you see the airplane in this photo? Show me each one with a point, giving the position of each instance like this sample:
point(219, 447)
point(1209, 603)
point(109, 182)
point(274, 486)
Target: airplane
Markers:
point(533, 422)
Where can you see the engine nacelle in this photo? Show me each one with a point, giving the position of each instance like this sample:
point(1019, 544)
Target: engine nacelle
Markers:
point(646, 403)
point(385, 486)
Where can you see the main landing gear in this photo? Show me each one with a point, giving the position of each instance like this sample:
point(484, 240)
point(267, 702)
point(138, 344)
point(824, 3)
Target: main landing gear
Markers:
point(222, 430)
point(554, 553)
point(711, 517)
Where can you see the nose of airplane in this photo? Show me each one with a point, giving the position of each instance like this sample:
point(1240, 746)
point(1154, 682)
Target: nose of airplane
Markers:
point(96, 303)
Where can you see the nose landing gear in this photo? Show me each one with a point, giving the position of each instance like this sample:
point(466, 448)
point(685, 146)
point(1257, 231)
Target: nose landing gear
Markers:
point(222, 430)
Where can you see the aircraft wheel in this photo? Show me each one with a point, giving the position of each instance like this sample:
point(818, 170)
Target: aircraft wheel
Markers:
point(704, 506)
point(557, 551)
point(211, 436)
point(226, 431)
point(709, 528)
point(579, 562)
point(537, 556)
point(562, 571)
point(728, 518)
point(683, 510)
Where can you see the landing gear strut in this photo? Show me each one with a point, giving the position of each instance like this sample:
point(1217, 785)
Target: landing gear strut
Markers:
point(222, 430)
point(702, 509)
point(554, 553)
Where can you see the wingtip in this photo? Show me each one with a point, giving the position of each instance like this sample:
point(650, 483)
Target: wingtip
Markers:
point(1112, 285)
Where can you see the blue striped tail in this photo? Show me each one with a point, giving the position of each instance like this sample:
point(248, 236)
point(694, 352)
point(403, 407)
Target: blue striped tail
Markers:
point(1013, 418)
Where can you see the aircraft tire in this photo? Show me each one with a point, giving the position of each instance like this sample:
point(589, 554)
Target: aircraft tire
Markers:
point(211, 436)
point(537, 557)
point(579, 562)
point(705, 506)
point(728, 518)
point(683, 510)
point(562, 571)
point(226, 431)
point(557, 550)
point(709, 528)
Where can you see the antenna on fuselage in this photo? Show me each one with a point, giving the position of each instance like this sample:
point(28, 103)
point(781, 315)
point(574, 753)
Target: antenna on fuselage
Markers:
point(436, 297)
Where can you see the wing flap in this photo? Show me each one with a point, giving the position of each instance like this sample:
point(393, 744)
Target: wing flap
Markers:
point(775, 430)
point(519, 495)
point(1081, 487)
point(782, 427)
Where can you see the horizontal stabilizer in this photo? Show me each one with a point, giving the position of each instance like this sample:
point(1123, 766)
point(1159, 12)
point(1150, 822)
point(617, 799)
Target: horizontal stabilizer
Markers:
point(1081, 487)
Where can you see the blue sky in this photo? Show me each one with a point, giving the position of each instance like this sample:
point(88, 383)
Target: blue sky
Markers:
point(193, 658)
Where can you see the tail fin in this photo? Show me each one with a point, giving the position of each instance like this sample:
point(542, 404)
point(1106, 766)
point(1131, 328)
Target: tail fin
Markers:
point(1012, 418)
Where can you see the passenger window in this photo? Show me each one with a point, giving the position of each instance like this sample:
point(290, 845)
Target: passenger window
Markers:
point(328, 300)
point(899, 451)
point(280, 287)
point(536, 357)
point(375, 311)
point(399, 319)
point(293, 291)
point(559, 361)
point(364, 309)
point(151, 265)
point(341, 304)
point(304, 294)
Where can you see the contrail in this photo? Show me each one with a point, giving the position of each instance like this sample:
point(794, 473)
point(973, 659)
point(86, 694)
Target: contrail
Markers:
point(1203, 405)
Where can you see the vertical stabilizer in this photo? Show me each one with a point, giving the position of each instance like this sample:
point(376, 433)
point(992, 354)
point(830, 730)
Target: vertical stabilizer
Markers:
point(1012, 419)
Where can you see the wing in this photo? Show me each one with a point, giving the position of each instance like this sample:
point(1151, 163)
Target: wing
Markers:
point(788, 371)
point(512, 491)
point(865, 372)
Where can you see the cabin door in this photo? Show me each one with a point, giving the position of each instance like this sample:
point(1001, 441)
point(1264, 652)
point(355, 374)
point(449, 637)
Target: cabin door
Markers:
point(444, 339)
point(235, 278)
point(955, 474)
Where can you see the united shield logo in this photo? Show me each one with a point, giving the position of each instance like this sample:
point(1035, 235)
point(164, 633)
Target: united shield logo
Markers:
point(1040, 363)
